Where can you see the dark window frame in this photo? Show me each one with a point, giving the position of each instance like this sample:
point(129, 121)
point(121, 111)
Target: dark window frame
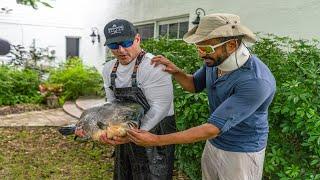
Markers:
point(72, 52)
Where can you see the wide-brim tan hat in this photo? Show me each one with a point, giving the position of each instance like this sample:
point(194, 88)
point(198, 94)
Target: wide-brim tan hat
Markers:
point(217, 26)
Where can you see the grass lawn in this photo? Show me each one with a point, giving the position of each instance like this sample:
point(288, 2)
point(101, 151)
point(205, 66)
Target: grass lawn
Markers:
point(42, 153)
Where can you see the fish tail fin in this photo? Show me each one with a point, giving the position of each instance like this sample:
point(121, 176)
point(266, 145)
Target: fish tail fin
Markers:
point(67, 130)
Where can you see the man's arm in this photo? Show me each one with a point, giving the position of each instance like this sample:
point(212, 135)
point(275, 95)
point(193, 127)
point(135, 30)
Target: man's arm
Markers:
point(185, 80)
point(195, 134)
point(158, 89)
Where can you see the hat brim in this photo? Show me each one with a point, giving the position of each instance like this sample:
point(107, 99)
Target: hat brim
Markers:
point(192, 37)
point(229, 30)
point(118, 39)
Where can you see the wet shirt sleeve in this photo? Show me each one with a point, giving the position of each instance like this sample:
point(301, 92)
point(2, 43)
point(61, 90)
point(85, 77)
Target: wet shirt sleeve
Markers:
point(199, 79)
point(158, 89)
point(247, 98)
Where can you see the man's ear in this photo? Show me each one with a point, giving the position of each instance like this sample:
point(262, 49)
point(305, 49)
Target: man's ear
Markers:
point(138, 38)
point(232, 46)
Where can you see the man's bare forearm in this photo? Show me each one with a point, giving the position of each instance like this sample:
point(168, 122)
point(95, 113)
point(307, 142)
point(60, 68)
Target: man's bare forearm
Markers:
point(195, 134)
point(185, 80)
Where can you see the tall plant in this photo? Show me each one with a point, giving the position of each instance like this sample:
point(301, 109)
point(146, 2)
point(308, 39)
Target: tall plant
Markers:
point(34, 3)
point(18, 86)
point(77, 79)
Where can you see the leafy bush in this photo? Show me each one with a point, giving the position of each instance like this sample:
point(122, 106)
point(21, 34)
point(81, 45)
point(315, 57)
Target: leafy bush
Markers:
point(293, 150)
point(18, 86)
point(77, 79)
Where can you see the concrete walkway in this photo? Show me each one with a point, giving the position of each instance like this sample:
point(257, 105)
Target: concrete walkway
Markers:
point(52, 117)
point(69, 114)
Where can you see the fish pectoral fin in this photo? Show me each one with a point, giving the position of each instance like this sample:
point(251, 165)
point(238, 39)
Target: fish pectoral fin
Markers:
point(67, 130)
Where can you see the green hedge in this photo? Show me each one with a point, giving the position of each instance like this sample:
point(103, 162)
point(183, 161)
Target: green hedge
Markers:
point(22, 86)
point(294, 140)
point(18, 86)
point(293, 150)
point(77, 80)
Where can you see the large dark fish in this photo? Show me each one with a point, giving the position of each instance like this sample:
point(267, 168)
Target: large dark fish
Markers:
point(113, 119)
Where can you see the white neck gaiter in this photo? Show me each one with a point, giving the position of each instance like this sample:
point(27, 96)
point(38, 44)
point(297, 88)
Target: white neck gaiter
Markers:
point(233, 62)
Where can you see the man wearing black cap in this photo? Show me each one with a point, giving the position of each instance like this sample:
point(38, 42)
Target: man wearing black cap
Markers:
point(131, 77)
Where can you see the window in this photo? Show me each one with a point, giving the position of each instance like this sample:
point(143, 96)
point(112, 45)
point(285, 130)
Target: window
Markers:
point(72, 47)
point(146, 31)
point(183, 29)
point(109, 55)
point(163, 30)
point(172, 28)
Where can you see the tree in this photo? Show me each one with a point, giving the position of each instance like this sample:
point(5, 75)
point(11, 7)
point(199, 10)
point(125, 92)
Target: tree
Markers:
point(33, 3)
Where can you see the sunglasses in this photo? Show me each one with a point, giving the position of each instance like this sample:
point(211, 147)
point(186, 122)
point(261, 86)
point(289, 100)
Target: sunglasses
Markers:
point(208, 49)
point(124, 44)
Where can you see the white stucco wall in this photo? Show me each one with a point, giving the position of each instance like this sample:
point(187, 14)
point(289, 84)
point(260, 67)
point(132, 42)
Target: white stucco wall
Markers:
point(75, 18)
point(51, 26)
point(294, 18)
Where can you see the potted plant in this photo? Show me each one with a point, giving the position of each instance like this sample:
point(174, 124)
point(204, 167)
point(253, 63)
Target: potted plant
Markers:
point(51, 93)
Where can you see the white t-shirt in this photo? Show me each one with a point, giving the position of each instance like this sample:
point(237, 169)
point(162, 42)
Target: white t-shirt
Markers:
point(155, 84)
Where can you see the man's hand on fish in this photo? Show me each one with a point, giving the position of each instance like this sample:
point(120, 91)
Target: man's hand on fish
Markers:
point(142, 138)
point(116, 140)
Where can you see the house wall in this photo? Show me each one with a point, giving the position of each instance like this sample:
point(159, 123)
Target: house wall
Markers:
point(51, 26)
point(75, 18)
point(294, 18)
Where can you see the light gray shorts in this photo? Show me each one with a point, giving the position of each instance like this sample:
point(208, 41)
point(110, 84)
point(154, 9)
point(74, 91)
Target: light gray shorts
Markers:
point(217, 164)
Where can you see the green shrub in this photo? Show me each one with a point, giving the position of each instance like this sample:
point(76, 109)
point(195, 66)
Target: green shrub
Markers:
point(77, 79)
point(18, 86)
point(293, 150)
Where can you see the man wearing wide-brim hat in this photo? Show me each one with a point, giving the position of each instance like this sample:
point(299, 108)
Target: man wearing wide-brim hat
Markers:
point(240, 89)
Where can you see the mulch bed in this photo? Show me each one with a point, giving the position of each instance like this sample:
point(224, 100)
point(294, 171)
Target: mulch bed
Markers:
point(20, 108)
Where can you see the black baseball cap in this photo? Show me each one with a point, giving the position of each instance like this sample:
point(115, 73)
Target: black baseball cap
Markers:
point(119, 30)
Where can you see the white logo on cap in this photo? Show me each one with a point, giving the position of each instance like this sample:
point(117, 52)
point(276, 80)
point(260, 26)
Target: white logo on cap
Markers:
point(115, 29)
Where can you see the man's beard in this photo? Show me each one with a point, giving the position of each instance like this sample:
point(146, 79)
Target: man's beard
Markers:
point(216, 62)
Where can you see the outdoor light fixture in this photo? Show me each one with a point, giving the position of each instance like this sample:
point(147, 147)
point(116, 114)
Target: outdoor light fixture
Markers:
point(5, 10)
point(94, 34)
point(197, 20)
